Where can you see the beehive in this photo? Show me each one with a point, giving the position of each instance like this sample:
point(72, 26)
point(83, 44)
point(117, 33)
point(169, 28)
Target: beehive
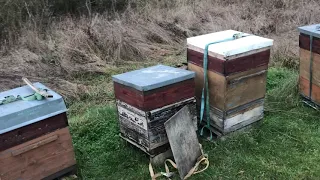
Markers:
point(237, 70)
point(35, 142)
point(147, 98)
point(309, 42)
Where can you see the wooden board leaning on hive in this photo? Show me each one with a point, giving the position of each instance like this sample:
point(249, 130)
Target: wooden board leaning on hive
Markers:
point(237, 83)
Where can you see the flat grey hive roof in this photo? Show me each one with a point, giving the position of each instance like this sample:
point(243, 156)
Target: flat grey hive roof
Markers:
point(153, 77)
point(313, 30)
point(21, 113)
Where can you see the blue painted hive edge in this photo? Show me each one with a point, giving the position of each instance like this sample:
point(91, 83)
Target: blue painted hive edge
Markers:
point(310, 30)
point(22, 113)
point(153, 77)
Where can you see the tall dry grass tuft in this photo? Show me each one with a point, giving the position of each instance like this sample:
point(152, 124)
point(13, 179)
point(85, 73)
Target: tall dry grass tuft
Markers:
point(49, 40)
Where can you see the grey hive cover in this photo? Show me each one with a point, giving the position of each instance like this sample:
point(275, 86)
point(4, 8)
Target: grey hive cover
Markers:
point(22, 113)
point(313, 30)
point(183, 140)
point(153, 77)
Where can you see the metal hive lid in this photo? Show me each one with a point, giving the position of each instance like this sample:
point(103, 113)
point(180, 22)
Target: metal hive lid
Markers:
point(228, 48)
point(153, 77)
point(22, 113)
point(313, 30)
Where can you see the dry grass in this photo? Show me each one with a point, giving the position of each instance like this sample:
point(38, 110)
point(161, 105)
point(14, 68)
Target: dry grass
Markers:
point(68, 47)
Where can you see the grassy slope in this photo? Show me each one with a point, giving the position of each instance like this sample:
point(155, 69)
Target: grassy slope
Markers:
point(285, 146)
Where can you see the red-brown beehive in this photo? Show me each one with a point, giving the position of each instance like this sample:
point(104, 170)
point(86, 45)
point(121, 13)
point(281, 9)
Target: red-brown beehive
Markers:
point(309, 42)
point(237, 70)
point(147, 98)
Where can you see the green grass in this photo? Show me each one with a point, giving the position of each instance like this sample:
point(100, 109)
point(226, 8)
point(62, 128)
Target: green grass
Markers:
point(285, 145)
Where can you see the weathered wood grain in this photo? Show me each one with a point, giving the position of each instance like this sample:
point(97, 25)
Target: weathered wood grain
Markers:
point(239, 121)
point(32, 131)
point(304, 43)
point(304, 87)
point(146, 128)
point(40, 162)
point(245, 89)
point(230, 119)
point(151, 152)
point(34, 146)
point(227, 67)
point(233, 97)
point(157, 98)
point(232, 91)
point(305, 66)
point(183, 141)
point(217, 86)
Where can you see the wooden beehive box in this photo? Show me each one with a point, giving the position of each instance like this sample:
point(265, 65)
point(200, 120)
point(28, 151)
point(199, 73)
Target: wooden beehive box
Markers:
point(309, 42)
point(147, 98)
point(35, 142)
point(237, 72)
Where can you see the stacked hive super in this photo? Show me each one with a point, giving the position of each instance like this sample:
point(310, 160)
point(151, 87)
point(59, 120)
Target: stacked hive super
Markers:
point(237, 70)
point(309, 42)
point(35, 142)
point(147, 98)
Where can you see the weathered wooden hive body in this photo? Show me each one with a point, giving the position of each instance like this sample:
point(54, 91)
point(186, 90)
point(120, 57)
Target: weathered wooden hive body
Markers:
point(309, 42)
point(237, 72)
point(147, 98)
point(35, 142)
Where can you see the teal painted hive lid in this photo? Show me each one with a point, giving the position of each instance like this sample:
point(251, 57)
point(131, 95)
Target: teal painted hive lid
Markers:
point(153, 77)
point(313, 30)
point(21, 113)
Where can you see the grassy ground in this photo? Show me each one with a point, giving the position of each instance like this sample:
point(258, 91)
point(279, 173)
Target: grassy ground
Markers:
point(284, 146)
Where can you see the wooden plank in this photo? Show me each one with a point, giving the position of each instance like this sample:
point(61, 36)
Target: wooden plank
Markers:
point(40, 162)
point(241, 121)
point(39, 91)
point(247, 62)
point(227, 67)
point(146, 128)
point(34, 146)
point(137, 120)
point(151, 152)
point(157, 133)
point(304, 43)
point(246, 73)
point(232, 91)
point(214, 64)
point(183, 141)
point(217, 86)
point(304, 90)
point(247, 117)
point(245, 107)
point(304, 86)
point(245, 89)
point(32, 131)
point(305, 66)
point(157, 98)
point(235, 116)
